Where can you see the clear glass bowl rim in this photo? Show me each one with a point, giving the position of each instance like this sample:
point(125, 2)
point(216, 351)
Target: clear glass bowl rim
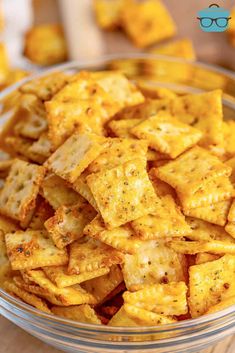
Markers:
point(17, 305)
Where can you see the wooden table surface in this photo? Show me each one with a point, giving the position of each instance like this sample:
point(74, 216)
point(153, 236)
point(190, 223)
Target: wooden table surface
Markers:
point(15, 340)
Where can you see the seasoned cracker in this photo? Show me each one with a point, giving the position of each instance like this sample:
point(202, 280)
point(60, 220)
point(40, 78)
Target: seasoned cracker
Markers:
point(123, 193)
point(72, 158)
point(204, 112)
point(20, 190)
point(80, 186)
point(130, 315)
point(21, 149)
point(205, 231)
point(230, 228)
point(5, 267)
point(121, 128)
point(121, 238)
point(33, 248)
point(41, 147)
point(81, 103)
point(102, 286)
point(195, 247)
point(228, 133)
point(147, 22)
point(153, 263)
point(58, 193)
point(81, 313)
point(45, 87)
point(166, 221)
point(42, 212)
point(147, 318)
point(215, 213)
point(193, 168)
point(181, 48)
point(34, 123)
point(167, 134)
point(213, 191)
point(73, 295)
point(231, 215)
point(108, 13)
point(68, 223)
point(223, 304)
point(164, 299)
point(31, 287)
point(28, 298)
point(118, 151)
point(45, 44)
point(60, 277)
point(87, 255)
point(204, 257)
point(209, 283)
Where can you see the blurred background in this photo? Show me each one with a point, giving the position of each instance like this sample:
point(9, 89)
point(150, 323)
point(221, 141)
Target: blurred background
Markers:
point(41, 33)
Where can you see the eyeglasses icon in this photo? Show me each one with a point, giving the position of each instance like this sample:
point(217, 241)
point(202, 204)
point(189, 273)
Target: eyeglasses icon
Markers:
point(207, 22)
point(214, 18)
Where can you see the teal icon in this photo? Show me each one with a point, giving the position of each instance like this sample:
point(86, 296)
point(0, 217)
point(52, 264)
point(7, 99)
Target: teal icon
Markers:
point(214, 18)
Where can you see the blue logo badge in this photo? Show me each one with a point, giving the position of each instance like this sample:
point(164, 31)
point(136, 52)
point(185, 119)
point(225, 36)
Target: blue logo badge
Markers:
point(214, 19)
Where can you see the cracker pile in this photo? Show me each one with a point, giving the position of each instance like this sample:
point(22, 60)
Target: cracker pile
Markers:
point(116, 207)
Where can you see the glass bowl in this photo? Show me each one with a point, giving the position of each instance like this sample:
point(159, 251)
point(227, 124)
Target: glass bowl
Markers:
point(184, 336)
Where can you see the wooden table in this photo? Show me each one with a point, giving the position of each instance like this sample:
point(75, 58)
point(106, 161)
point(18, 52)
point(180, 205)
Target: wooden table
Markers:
point(15, 340)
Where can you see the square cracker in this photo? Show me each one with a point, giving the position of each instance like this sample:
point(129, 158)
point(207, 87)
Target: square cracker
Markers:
point(81, 313)
point(121, 238)
point(27, 283)
point(108, 14)
point(153, 263)
point(58, 192)
point(166, 221)
point(27, 297)
point(209, 283)
point(181, 48)
point(20, 190)
point(231, 215)
point(45, 87)
point(123, 193)
point(72, 295)
point(230, 228)
point(81, 103)
point(229, 133)
point(42, 146)
point(102, 286)
point(142, 317)
point(165, 299)
point(122, 128)
point(193, 168)
point(166, 134)
point(72, 158)
point(80, 186)
point(147, 22)
point(212, 191)
point(206, 231)
point(34, 122)
point(32, 249)
point(118, 151)
point(60, 277)
point(121, 90)
point(68, 223)
point(196, 247)
point(87, 255)
point(215, 213)
point(204, 112)
point(21, 149)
